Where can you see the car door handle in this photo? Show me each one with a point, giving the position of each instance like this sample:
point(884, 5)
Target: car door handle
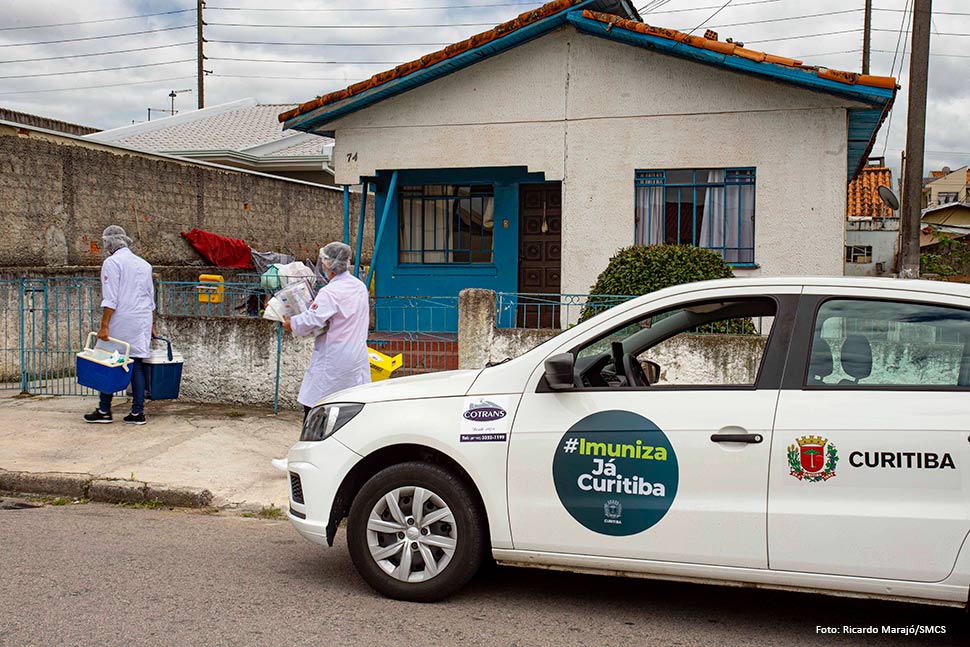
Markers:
point(737, 438)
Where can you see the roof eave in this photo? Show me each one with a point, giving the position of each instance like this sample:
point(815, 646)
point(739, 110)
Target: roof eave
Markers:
point(313, 120)
point(881, 99)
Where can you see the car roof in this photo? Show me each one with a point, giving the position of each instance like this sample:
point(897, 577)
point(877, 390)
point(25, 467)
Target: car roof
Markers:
point(902, 285)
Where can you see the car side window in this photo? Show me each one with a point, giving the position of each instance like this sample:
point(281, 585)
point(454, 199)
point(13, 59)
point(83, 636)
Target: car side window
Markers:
point(710, 343)
point(867, 343)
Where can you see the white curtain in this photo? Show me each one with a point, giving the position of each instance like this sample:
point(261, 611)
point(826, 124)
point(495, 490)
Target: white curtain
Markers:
point(651, 215)
point(728, 223)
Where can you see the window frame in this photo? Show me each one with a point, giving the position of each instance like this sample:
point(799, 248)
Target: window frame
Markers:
point(809, 314)
point(448, 250)
point(770, 370)
point(850, 255)
point(640, 180)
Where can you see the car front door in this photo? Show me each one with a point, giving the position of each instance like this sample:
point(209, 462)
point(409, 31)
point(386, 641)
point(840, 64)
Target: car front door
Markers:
point(870, 458)
point(675, 471)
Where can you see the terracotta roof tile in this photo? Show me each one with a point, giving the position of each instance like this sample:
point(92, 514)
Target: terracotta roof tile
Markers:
point(863, 194)
point(534, 15)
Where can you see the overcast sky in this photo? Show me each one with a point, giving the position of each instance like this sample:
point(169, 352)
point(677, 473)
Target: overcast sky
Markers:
point(350, 52)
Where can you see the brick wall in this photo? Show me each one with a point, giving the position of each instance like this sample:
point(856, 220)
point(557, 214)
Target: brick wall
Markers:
point(57, 193)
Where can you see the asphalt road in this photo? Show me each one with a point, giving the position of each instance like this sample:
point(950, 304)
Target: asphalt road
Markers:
point(102, 575)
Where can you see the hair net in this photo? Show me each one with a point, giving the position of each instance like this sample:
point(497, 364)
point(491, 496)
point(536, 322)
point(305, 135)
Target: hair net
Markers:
point(114, 238)
point(337, 256)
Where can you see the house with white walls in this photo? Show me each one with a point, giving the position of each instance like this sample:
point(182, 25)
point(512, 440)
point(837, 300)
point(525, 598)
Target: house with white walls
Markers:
point(523, 158)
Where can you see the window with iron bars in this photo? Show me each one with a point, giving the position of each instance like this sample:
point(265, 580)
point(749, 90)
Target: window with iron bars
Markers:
point(858, 253)
point(442, 223)
point(710, 208)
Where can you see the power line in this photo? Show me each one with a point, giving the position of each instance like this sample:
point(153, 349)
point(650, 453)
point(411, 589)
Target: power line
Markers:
point(733, 6)
point(263, 42)
point(935, 12)
point(286, 78)
point(75, 40)
point(889, 51)
point(899, 38)
point(802, 57)
point(98, 87)
point(273, 60)
point(381, 9)
point(709, 18)
point(264, 26)
point(91, 22)
point(118, 51)
point(105, 69)
point(892, 69)
point(940, 33)
point(811, 15)
point(826, 33)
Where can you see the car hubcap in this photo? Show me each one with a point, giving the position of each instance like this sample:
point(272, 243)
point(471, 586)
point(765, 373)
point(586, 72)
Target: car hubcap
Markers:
point(411, 534)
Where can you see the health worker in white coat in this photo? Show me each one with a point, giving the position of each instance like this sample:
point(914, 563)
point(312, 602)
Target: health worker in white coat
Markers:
point(342, 306)
point(128, 302)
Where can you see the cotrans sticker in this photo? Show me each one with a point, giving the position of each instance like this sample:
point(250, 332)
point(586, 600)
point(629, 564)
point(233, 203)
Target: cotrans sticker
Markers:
point(616, 473)
point(485, 421)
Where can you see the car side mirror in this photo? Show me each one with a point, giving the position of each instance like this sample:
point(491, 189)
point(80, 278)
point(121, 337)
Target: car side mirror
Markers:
point(652, 370)
point(560, 372)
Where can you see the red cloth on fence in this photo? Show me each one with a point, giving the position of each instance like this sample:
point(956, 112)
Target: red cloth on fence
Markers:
point(221, 251)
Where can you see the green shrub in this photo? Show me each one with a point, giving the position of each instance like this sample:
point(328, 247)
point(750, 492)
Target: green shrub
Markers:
point(641, 269)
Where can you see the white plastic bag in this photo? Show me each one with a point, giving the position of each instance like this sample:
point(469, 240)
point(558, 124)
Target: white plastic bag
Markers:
point(290, 301)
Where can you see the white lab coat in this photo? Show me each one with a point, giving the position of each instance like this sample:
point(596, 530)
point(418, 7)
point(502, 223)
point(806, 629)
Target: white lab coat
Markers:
point(339, 359)
point(127, 288)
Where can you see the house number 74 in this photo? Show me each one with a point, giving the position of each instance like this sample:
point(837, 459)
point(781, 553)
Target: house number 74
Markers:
point(352, 157)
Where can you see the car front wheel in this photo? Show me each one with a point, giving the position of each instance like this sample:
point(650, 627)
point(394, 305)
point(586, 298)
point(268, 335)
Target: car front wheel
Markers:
point(415, 532)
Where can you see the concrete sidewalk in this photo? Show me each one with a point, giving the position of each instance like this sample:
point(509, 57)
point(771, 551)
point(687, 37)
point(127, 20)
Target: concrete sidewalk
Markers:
point(193, 447)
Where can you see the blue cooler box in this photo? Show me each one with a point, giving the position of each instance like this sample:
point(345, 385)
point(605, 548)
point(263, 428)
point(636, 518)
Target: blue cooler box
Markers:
point(103, 370)
point(163, 372)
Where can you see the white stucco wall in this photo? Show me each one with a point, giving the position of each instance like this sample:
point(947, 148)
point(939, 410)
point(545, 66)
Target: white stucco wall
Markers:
point(589, 112)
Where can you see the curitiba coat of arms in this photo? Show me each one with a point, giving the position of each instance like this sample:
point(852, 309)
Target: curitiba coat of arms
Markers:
point(812, 459)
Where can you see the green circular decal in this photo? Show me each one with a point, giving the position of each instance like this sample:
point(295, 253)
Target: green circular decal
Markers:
point(615, 473)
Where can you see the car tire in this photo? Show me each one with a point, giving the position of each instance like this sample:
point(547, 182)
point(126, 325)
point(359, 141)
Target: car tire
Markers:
point(416, 552)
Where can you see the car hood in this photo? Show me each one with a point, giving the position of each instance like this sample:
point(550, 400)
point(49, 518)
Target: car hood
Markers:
point(429, 385)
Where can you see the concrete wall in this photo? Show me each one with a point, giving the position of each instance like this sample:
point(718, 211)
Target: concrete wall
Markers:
point(57, 193)
point(233, 360)
point(590, 112)
point(883, 235)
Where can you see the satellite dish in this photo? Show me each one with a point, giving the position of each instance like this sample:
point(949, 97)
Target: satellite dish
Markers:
point(889, 197)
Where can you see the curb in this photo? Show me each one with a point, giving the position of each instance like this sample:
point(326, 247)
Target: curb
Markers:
point(88, 486)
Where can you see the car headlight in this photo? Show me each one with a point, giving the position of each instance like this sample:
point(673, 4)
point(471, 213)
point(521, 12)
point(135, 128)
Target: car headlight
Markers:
point(324, 420)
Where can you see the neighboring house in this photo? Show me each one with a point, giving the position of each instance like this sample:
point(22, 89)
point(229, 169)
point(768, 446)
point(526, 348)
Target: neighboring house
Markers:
point(871, 227)
point(46, 123)
point(523, 158)
point(944, 223)
point(244, 134)
point(946, 186)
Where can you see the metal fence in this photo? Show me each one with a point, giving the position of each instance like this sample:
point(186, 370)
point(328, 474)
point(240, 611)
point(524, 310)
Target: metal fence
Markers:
point(550, 311)
point(418, 328)
point(210, 299)
point(45, 323)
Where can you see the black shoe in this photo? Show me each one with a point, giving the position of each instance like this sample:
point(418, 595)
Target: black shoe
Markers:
point(98, 416)
point(135, 419)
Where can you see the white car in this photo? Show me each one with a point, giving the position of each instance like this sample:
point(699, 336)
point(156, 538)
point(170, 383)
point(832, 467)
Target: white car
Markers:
point(792, 433)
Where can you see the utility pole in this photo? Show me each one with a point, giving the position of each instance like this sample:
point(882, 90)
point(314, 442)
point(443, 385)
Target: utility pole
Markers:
point(201, 57)
point(919, 64)
point(867, 37)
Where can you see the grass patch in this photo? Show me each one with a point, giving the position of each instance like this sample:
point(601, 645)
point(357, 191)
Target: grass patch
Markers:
point(270, 512)
point(48, 499)
point(236, 414)
point(153, 504)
